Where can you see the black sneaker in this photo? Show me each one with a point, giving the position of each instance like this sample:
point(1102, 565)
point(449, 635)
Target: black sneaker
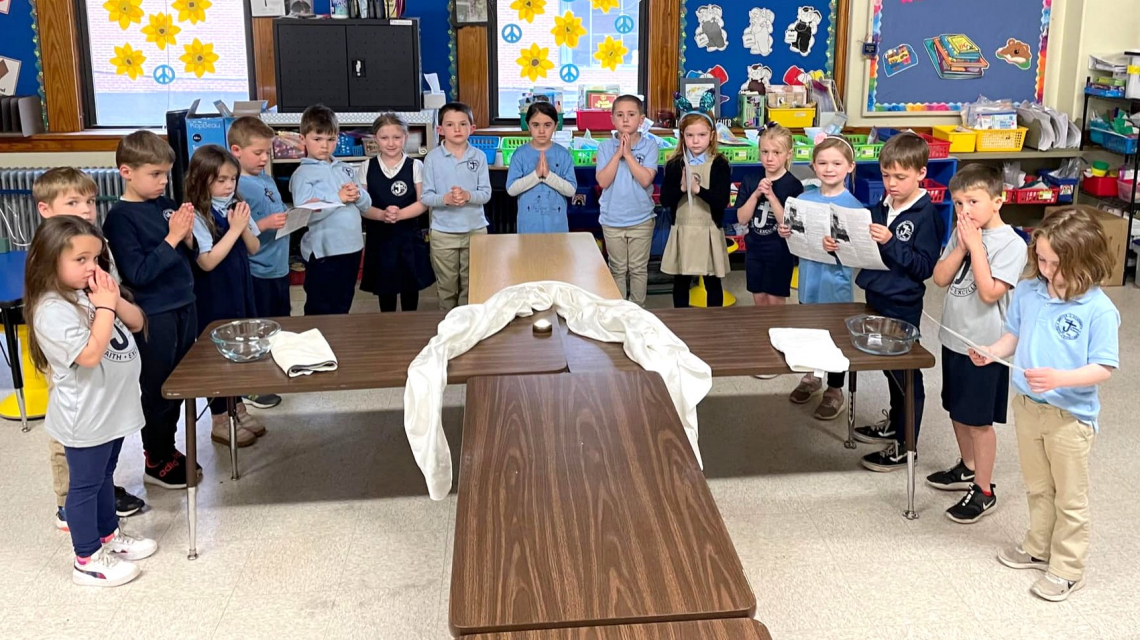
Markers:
point(60, 519)
point(263, 401)
point(892, 458)
point(168, 473)
point(879, 433)
point(126, 504)
point(974, 506)
point(957, 478)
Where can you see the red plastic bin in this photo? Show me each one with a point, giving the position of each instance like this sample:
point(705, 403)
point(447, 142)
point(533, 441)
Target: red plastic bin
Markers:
point(595, 120)
point(935, 190)
point(1103, 186)
point(938, 148)
point(1036, 195)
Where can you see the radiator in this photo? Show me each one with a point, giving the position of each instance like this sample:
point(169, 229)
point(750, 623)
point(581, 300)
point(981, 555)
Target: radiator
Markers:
point(18, 215)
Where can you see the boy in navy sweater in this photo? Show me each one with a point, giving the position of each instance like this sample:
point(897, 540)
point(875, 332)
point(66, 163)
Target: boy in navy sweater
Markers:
point(153, 244)
point(909, 232)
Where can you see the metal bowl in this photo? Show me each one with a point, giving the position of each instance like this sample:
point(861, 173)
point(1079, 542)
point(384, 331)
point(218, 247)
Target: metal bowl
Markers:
point(881, 336)
point(244, 340)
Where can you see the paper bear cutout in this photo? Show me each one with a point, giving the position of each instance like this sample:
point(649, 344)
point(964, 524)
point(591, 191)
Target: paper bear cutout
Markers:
point(758, 79)
point(800, 34)
point(758, 35)
point(1017, 53)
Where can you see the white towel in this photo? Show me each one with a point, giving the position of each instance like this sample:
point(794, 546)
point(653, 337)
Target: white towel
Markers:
point(647, 342)
point(809, 350)
point(300, 354)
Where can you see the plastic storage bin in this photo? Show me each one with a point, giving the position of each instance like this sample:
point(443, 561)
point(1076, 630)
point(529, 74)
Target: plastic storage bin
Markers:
point(801, 148)
point(1035, 195)
point(594, 120)
point(487, 144)
point(1065, 186)
point(992, 140)
point(509, 144)
point(584, 157)
point(745, 154)
point(792, 118)
point(863, 149)
point(1125, 188)
point(1104, 187)
point(1113, 141)
point(347, 145)
point(666, 150)
point(936, 190)
point(960, 141)
point(869, 192)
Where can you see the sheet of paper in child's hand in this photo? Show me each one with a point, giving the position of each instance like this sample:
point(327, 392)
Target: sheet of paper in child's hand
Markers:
point(297, 218)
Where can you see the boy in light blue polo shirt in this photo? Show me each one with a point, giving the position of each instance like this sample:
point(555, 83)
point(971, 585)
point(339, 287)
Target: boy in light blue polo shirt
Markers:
point(332, 246)
point(1062, 332)
point(626, 168)
point(456, 186)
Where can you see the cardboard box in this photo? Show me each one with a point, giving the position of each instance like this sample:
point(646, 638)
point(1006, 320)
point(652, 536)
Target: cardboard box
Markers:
point(202, 130)
point(1115, 230)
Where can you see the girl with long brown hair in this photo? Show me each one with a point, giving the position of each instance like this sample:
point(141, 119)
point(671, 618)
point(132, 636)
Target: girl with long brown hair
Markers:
point(80, 335)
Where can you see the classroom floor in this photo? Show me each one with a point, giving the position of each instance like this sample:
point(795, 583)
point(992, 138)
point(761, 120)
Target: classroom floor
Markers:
point(330, 533)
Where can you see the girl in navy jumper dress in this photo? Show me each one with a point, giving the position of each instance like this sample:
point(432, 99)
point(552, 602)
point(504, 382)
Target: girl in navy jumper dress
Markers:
point(396, 260)
point(223, 283)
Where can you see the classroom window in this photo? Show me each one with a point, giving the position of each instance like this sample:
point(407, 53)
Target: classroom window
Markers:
point(601, 46)
point(147, 57)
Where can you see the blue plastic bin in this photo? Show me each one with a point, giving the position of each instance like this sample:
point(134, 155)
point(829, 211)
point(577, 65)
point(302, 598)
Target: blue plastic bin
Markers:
point(487, 144)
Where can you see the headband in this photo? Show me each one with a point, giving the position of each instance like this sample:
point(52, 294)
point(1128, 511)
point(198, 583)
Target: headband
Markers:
point(703, 115)
point(821, 136)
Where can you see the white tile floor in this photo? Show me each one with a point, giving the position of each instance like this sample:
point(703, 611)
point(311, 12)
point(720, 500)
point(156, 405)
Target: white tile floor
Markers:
point(329, 533)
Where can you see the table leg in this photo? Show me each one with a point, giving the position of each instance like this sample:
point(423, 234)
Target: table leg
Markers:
point(191, 406)
point(908, 406)
point(231, 411)
point(14, 359)
point(852, 386)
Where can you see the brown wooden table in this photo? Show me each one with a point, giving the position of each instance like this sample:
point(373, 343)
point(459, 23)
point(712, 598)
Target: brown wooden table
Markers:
point(734, 342)
point(501, 260)
point(581, 503)
point(727, 629)
point(373, 351)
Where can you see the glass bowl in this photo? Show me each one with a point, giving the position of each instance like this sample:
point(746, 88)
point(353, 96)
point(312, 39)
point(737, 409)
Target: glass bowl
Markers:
point(244, 340)
point(881, 336)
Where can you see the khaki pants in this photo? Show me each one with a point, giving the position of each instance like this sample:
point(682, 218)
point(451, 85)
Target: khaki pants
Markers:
point(60, 477)
point(1054, 449)
point(451, 259)
point(628, 251)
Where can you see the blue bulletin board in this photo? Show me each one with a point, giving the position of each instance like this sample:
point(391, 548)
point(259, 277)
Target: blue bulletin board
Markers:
point(753, 41)
point(20, 72)
point(936, 55)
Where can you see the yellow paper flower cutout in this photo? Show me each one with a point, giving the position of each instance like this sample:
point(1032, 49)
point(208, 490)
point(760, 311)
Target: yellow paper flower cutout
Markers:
point(610, 53)
point(528, 9)
point(199, 58)
point(192, 10)
point(128, 61)
point(124, 12)
point(161, 30)
point(567, 29)
point(533, 62)
point(604, 5)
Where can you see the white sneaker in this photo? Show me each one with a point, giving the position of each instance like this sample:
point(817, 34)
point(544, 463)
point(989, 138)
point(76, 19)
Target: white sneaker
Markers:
point(130, 548)
point(103, 569)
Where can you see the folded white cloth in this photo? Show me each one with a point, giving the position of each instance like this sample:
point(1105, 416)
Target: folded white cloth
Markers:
point(647, 342)
point(809, 350)
point(300, 354)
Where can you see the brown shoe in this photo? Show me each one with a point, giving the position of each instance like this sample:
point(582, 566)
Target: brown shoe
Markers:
point(805, 390)
point(247, 421)
point(221, 432)
point(831, 405)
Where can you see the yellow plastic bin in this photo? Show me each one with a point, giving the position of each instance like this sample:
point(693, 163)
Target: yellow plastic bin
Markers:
point(990, 140)
point(793, 118)
point(960, 141)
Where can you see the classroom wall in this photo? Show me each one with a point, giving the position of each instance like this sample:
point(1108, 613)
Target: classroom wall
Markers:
point(1078, 28)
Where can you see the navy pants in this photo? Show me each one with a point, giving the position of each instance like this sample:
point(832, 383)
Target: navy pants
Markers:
point(169, 336)
point(91, 495)
point(408, 301)
point(330, 284)
point(911, 313)
point(271, 297)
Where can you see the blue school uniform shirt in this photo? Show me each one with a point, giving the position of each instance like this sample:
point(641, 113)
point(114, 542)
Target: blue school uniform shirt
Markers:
point(626, 203)
point(264, 199)
point(541, 208)
point(818, 282)
point(468, 171)
point(1063, 335)
point(334, 231)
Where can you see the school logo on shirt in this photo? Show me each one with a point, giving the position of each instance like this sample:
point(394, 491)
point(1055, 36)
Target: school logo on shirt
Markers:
point(1069, 326)
point(269, 195)
point(349, 172)
point(399, 188)
point(167, 213)
point(964, 284)
point(905, 230)
point(763, 222)
point(640, 158)
point(121, 348)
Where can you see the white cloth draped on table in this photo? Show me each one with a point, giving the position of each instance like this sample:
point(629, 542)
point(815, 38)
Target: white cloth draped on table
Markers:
point(646, 339)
